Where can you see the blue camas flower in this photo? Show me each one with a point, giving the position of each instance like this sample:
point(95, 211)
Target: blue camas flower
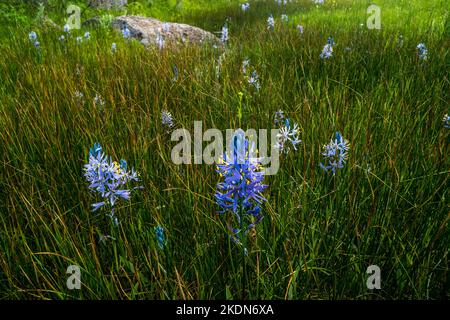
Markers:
point(278, 117)
point(32, 36)
point(327, 51)
point(98, 101)
point(95, 150)
point(270, 22)
point(240, 191)
point(166, 118)
point(446, 121)
point(253, 80)
point(245, 6)
point(335, 153)
point(330, 41)
point(287, 136)
point(108, 178)
point(176, 73)
point(126, 32)
point(422, 51)
point(160, 237)
point(78, 97)
point(123, 164)
point(224, 34)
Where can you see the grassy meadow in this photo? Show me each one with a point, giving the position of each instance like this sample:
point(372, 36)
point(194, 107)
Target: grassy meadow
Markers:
point(389, 206)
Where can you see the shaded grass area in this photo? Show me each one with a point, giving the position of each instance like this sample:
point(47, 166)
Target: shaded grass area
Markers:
point(388, 207)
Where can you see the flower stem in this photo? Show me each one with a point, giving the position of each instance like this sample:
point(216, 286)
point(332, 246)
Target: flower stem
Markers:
point(244, 247)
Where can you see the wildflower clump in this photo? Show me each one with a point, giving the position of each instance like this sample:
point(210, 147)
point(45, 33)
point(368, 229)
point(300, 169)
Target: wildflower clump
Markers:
point(287, 135)
point(33, 39)
point(335, 153)
point(422, 51)
point(109, 179)
point(240, 191)
point(327, 51)
point(167, 119)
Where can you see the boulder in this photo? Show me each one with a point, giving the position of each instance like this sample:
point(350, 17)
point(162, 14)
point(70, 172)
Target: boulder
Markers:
point(148, 30)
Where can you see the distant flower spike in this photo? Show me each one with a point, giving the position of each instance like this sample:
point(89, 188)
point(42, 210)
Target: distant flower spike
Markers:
point(422, 51)
point(176, 73)
point(327, 51)
point(166, 118)
point(224, 34)
point(278, 117)
point(254, 80)
point(126, 32)
point(270, 23)
point(446, 121)
point(160, 237)
point(32, 36)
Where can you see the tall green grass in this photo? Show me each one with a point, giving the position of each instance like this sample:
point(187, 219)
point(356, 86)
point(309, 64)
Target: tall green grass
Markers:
point(388, 206)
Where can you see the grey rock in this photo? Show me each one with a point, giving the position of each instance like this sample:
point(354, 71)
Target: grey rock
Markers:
point(145, 42)
point(146, 30)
